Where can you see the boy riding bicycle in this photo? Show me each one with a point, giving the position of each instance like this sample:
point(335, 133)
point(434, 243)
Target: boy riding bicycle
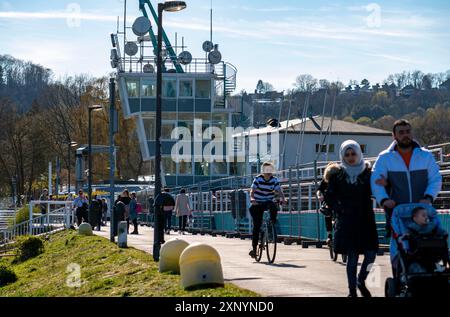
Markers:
point(262, 195)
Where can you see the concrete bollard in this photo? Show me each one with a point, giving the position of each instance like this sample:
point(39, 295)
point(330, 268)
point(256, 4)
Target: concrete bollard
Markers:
point(85, 229)
point(169, 260)
point(200, 265)
point(123, 234)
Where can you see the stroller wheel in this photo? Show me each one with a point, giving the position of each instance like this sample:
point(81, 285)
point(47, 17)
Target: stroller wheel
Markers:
point(390, 288)
point(344, 258)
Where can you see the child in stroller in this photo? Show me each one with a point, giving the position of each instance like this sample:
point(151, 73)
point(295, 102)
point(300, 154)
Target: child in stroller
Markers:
point(419, 252)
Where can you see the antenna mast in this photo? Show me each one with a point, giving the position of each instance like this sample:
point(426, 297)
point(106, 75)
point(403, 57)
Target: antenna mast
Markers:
point(211, 22)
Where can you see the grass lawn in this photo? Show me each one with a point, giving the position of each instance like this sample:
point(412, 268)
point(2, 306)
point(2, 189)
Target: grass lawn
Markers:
point(105, 270)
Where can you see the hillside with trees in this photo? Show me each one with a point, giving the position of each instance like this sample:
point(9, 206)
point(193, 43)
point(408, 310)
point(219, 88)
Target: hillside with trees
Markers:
point(40, 116)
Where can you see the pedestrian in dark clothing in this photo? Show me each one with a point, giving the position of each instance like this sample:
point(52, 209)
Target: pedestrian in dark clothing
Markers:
point(104, 212)
point(331, 170)
point(119, 215)
point(99, 214)
point(133, 214)
point(169, 206)
point(126, 199)
point(349, 195)
point(95, 210)
point(164, 203)
point(151, 209)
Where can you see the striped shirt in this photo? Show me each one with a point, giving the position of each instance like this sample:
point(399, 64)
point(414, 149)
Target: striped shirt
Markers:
point(264, 190)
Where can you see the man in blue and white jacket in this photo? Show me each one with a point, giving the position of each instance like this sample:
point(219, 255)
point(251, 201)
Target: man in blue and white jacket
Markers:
point(411, 172)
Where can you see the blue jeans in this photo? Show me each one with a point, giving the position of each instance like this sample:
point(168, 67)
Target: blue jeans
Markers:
point(352, 267)
point(168, 220)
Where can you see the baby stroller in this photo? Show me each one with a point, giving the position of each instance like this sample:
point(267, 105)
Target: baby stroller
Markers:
point(428, 252)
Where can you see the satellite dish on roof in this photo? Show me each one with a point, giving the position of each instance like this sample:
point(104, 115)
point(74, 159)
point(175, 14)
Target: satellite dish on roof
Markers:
point(215, 57)
point(148, 68)
point(208, 46)
point(185, 58)
point(141, 26)
point(131, 48)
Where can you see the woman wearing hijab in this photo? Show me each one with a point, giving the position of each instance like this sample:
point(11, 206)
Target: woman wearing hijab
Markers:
point(350, 196)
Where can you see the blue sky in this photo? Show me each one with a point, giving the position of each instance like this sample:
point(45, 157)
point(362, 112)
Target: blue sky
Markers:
point(270, 40)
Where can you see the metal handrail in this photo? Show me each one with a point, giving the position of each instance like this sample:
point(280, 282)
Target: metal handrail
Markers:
point(53, 220)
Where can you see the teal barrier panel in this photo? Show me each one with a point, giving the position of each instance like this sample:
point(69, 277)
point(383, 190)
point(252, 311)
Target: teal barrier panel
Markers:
point(305, 225)
point(224, 221)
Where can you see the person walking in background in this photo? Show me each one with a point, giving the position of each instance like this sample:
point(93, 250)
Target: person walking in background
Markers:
point(349, 195)
point(119, 215)
point(94, 212)
point(80, 204)
point(44, 197)
point(126, 199)
point(182, 210)
point(104, 212)
point(99, 214)
point(133, 214)
point(169, 205)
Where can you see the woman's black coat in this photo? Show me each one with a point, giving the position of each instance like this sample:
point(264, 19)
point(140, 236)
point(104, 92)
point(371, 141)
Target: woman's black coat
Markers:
point(355, 228)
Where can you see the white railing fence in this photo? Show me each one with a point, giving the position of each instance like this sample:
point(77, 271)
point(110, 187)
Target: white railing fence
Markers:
point(59, 215)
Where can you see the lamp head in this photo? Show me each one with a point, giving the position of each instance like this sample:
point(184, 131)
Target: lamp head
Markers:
point(174, 6)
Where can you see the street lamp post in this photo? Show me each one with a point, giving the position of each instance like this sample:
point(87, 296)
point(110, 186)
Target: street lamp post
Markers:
point(69, 149)
point(14, 183)
point(91, 109)
point(169, 6)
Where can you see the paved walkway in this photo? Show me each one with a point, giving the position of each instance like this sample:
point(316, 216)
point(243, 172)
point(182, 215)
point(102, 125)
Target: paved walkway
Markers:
point(296, 272)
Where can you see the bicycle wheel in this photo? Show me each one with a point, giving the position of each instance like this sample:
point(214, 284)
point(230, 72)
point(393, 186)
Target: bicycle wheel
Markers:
point(271, 242)
point(260, 248)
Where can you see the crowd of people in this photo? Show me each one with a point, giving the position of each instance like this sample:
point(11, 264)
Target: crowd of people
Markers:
point(405, 173)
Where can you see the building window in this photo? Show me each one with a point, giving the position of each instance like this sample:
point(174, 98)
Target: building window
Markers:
point(186, 89)
point(237, 169)
point(169, 116)
point(150, 128)
point(323, 148)
point(219, 168)
point(202, 169)
point(203, 116)
point(148, 88)
point(133, 88)
point(185, 168)
point(170, 88)
point(166, 130)
point(203, 89)
point(169, 166)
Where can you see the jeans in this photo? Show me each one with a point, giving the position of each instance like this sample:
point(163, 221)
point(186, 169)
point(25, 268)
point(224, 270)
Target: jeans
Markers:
point(168, 220)
point(257, 212)
point(352, 267)
point(182, 222)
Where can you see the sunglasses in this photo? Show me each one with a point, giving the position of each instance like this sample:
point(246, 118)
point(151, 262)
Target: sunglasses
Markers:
point(352, 154)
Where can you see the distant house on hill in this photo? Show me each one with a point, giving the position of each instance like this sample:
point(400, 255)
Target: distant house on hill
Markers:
point(408, 91)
